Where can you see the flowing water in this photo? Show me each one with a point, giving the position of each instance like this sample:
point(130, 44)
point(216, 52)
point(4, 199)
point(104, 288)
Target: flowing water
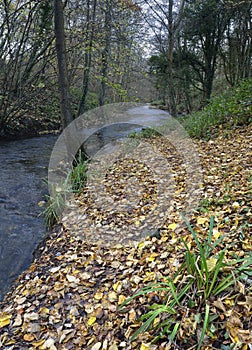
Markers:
point(23, 170)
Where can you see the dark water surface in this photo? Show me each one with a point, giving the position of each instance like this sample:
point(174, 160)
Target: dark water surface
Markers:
point(23, 167)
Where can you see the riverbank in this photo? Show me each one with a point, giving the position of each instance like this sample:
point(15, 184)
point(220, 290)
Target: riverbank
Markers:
point(29, 126)
point(69, 297)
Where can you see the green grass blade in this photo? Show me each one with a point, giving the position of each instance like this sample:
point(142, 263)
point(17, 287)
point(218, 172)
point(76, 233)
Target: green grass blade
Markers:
point(204, 327)
point(174, 332)
point(145, 326)
point(224, 284)
point(217, 268)
point(182, 293)
point(143, 291)
point(209, 238)
point(201, 250)
point(173, 292)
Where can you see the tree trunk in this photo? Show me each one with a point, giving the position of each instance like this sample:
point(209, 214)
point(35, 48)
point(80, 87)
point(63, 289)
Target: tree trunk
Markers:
point(171, 92)
point(105, 53)
point(88, 56)
point(66, 115)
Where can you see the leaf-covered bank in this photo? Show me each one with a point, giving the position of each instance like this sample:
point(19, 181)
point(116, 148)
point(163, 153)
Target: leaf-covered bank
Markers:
point(69, 297)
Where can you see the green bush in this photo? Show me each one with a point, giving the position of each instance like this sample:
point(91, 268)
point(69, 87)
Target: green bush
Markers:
point(233, 108)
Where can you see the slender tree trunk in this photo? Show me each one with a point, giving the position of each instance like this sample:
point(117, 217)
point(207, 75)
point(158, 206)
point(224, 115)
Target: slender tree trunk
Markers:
point(88, 56)
point(171, 92)
point(173, 26)
point(66, 115)
point(105, 53)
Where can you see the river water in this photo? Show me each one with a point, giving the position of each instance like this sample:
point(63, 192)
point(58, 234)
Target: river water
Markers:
point(23, 171)
point(24, 166)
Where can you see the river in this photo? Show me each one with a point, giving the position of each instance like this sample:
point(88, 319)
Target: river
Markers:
point(23, 171)
point(24, 165)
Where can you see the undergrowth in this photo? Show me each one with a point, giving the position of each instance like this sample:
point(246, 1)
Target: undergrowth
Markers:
point(203, 276)
point(233, 108)
point(74, 183)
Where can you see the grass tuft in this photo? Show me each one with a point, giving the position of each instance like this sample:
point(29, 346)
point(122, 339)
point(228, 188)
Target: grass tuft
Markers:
point(202, 276)
point(74, 184)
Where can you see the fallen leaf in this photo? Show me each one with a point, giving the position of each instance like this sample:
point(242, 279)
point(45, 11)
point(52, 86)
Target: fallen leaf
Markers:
point(202, 220)
point(97, 346)
point(211, 263)
point(28, 337)
point(91, 320)
point(172, 226)
point(5, 320)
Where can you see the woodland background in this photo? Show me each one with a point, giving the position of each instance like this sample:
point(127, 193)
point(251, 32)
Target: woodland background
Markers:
point(175, 54)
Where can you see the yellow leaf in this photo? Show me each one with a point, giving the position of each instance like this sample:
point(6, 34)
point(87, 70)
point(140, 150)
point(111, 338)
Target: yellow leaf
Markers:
point(172, 226)
point(117, 286)
point(229, 302)
point(145, 346)
point(44, 310)
point(151, 257)
point(156, 321)
point(150, 276)
point(5, 320)
point(202, 221)
point(247, 244)
point(216, 233)
point(121, 299)
point(141, 245)
point(211, 263)
point(91, 320)
point(177, 278)
point(38, 342)
point(98, 296)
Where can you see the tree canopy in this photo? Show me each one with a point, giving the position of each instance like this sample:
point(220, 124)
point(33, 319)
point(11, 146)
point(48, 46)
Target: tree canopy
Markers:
point(178, 52)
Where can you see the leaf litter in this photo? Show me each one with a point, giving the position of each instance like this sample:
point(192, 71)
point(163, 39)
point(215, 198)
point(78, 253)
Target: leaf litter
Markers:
point(69, 298)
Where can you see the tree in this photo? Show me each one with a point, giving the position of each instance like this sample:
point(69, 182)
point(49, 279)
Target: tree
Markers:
point(204, 28)
point(66, 114)
point(90, 30)
point(236, 52)
point(25, 49)
point(106, 49)
point(164, 20)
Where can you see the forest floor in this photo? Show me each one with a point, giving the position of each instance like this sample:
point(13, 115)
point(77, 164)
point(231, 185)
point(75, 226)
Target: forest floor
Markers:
point(69, 298)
